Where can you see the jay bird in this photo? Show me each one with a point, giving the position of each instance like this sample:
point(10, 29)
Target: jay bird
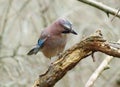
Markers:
point(53, 39)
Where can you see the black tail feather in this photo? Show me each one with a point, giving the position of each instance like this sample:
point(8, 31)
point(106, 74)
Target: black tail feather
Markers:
point(34, 51)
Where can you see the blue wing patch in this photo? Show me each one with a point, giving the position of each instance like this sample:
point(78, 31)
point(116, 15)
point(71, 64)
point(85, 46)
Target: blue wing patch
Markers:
point(37, 47)
point(41, 42)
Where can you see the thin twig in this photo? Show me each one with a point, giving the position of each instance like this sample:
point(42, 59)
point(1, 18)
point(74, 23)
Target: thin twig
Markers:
point(103, 66)
point(115, 15)
point(70, 58)
point(102, 7)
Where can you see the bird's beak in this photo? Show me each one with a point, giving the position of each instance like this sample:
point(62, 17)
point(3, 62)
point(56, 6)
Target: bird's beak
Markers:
point(73, 32)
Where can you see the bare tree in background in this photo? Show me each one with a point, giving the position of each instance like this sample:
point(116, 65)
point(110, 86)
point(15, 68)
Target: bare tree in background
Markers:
point(20, 26)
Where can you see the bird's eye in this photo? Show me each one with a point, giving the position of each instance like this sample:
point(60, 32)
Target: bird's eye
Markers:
point(66, 31)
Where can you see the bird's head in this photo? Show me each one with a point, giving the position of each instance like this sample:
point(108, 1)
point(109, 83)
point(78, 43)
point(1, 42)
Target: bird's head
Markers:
point(66, 26)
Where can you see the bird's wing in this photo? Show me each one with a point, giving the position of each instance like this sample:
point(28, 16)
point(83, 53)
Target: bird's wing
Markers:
point(39, 45)
point(41, 42)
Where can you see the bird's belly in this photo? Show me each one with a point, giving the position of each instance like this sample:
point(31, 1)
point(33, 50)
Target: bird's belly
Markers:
point(53, 47)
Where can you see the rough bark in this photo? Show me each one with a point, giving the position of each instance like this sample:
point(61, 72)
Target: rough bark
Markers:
point(72, 56)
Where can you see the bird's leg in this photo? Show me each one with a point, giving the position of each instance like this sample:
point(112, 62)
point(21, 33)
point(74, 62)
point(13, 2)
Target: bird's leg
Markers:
point(52, 60)
point(59, 54)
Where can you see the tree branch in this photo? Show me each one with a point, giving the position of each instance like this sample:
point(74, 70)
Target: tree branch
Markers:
point(103, 66)
point(102, 7)
point(72, 56)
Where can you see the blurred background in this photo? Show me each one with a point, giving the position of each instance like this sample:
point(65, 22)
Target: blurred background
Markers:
point(21, 22)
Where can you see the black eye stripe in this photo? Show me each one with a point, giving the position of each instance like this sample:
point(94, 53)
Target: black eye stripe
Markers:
point(66, 31)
